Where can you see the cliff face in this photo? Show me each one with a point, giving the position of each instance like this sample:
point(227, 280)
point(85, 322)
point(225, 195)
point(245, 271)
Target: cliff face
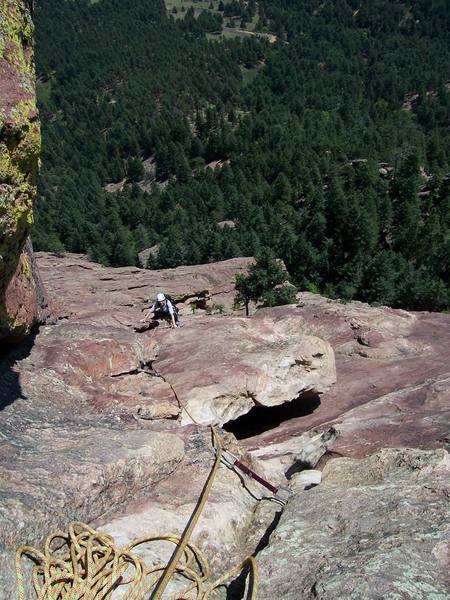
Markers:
point(108, 396)
point(21, 296)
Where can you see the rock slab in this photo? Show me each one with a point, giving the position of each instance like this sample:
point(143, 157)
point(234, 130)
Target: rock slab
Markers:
point(56, 469)
point(220, 368)
point(393, 379)
point(374, 528)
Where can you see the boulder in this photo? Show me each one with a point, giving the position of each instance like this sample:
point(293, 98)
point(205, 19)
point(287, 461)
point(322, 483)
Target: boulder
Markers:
point(220, 368)
point(228, 223)
point(393, 378)
point(294, 455)
point(306, 479)
point(374, 528)
point(22, 301)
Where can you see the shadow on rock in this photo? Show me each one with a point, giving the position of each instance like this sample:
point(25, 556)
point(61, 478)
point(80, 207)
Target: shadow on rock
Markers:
point(264, 418)
point(237, 587)
point(10, 388)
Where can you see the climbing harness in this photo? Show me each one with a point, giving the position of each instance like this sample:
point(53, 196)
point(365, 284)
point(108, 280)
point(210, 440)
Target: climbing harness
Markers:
point(84, 564)
point(281, 494)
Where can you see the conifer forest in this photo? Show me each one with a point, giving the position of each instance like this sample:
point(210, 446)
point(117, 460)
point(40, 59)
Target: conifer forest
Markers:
point(318, 129)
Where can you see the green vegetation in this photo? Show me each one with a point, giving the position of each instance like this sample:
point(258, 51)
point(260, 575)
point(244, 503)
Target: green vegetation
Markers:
point(43, 91)
point(333, 142)
point(264, 283)
point(215, 309)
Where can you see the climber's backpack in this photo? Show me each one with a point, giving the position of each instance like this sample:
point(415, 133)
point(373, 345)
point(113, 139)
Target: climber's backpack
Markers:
point(169, 298)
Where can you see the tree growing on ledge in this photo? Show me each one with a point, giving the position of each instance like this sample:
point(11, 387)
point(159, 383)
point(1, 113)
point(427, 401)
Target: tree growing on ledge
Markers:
point(264, 283)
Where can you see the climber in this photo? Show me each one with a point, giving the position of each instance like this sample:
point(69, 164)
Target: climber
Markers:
point(163, 308)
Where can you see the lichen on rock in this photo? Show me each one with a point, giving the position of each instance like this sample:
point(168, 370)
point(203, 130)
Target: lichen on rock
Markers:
point(374, 528)
point(20, 305)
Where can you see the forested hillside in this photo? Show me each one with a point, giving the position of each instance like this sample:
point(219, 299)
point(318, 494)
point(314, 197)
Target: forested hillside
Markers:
point(330, 145)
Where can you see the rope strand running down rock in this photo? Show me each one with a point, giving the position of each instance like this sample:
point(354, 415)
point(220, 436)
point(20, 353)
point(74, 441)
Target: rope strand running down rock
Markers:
point(84, 564)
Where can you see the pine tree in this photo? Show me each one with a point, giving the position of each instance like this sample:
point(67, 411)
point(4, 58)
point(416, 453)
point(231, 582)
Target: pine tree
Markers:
point(135, 169)
point(263, 282)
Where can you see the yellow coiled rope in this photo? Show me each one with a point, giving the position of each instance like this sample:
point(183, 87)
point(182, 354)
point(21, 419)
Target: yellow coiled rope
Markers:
point(84, 564)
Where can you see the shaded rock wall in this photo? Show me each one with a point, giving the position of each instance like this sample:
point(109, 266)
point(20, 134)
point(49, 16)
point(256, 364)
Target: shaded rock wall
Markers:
point(21, 299)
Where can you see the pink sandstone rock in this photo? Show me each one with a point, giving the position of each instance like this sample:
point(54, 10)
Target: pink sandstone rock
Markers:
point(221, 367)
point(379, 352)
point(83, 290)
point(216, 367)
point(94, 367)
point(393, 378)
point(24, 299)
point(96, 405)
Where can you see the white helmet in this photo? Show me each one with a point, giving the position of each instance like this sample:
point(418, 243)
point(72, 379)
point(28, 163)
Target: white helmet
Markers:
point(160, 297)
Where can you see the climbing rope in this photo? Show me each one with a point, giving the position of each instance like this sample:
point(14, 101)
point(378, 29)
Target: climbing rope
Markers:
point(84, 564)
